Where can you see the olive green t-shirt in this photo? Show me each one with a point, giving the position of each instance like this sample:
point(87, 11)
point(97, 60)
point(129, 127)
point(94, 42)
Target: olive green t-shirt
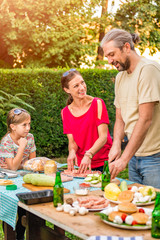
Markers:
point(141, 86)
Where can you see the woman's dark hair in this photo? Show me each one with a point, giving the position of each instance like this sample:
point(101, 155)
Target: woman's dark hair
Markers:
point(66, 78)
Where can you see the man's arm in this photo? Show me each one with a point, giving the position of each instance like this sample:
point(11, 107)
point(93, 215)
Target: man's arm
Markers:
point(118, 136)
point(138, 135)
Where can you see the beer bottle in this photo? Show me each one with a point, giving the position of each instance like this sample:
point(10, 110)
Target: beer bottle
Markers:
point(58, 190)
point(106, 177)
point(155, 231)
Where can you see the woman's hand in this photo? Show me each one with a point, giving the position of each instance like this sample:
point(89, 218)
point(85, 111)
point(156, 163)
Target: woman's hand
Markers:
point(85, 164)
point(72, 158)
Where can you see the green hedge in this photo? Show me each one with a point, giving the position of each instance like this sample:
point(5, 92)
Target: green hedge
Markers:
point(46, 95)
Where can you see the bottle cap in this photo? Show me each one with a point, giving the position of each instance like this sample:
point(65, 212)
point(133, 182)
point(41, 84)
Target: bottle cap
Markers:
point(11, 187)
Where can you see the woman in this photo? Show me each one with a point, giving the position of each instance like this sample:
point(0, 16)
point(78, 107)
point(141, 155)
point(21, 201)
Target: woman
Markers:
point(85, 121)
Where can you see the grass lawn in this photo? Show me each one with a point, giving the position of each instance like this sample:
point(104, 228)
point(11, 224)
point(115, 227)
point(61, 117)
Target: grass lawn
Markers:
point(123, 174)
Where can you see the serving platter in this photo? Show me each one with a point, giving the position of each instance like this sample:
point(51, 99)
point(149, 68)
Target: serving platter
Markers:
point(126, 226)
point(137, 204)
point(90, 209)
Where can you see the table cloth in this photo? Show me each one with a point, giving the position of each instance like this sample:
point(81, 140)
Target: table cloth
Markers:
point(9, 200)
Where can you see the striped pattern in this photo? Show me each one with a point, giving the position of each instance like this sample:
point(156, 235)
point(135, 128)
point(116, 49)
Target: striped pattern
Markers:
point(114, 238)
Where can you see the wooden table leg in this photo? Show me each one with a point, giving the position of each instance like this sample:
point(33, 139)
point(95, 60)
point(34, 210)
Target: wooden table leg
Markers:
point(36, 229)
point(9, 233)
point(33, 225)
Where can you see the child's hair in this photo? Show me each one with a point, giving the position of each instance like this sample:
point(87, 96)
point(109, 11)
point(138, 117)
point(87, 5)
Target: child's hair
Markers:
point(16, 116)
point(66, 78)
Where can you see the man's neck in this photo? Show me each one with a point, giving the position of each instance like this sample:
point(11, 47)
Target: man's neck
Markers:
point(135, 58)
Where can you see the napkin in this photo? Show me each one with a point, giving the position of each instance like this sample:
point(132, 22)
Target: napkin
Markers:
point(114, 238)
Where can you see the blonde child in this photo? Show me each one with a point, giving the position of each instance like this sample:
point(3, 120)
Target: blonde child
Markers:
point(16, 147)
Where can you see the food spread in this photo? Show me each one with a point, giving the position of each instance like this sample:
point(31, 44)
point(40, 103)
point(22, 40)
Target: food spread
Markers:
point(137, 195)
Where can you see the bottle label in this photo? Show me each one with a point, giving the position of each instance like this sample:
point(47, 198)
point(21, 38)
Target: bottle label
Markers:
point(58, 196)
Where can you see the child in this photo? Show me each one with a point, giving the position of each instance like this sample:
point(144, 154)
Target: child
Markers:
point(16, 147)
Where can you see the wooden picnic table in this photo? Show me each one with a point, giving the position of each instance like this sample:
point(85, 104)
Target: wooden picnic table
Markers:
point(81, 226)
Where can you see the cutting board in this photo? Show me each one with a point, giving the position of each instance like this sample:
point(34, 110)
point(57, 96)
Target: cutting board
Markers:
point(39, 188)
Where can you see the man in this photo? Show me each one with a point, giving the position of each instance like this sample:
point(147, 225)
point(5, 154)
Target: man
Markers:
point(137, 101)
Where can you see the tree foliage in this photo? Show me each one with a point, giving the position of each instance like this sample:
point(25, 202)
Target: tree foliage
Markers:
point(143, 17)
point(46, 32)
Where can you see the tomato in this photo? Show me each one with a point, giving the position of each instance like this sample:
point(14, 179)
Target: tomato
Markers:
point(134, 222)
point(123, 217)
point(141, 210)
point(129, 188)
point(84, 185)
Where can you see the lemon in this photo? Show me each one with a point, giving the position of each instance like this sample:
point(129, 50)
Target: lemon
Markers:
point(111, 191)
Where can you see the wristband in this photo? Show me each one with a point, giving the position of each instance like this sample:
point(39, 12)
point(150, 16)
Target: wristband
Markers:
point(89, 154)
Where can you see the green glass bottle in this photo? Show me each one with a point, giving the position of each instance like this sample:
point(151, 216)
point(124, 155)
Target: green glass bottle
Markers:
point(58, 190)
point(155, 231)
point(106, 177)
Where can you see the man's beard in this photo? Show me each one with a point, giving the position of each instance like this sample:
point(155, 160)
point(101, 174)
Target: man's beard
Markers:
point(123, 66)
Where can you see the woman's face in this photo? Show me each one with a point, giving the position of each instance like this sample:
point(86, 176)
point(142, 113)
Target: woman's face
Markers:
point(77, 87)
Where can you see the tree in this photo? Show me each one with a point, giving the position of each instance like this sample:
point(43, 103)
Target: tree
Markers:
point(141, 16)
point(46, 32)
point(102, 29)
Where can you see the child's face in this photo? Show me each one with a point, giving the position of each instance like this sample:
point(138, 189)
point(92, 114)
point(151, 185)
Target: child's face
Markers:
point(22, 129)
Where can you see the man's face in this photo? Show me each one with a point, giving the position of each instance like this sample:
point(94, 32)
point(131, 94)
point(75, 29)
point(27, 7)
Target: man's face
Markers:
point(116, 56)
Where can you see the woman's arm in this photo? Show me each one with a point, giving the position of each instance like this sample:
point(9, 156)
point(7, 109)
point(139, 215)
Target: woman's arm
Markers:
point(98, 144)
point(72, 148)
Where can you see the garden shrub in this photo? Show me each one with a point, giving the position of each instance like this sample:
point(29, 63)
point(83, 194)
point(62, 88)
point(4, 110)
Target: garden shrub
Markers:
point(47, 97)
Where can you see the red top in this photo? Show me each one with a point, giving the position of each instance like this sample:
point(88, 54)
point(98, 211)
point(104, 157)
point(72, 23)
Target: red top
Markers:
point(85, 131)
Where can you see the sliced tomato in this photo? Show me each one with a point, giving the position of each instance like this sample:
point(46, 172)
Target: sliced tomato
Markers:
point(84, 185)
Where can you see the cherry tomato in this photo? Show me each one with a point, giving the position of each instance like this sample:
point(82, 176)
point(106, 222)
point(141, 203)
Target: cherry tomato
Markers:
point(141, 210)
point(123, 217)
point(134, 222)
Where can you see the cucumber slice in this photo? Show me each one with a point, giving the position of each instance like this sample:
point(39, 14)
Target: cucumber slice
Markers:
point(90, 175)
point(88, 179)
point(94, 182)
point(96, 175)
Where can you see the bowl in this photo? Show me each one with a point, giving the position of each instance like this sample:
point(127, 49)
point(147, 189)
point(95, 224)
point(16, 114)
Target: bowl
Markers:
point(81, 190)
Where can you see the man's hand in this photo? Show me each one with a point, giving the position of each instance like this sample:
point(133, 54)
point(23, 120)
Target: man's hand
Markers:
point(85, 164)
point(116, 167)
point(114, 153)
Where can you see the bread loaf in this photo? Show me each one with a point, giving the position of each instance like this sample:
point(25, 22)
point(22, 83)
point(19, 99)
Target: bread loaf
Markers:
point(35, 164)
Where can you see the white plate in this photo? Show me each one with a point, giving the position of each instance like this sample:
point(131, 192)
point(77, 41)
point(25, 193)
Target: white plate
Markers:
point(127, 226)
point(137, 204)
point(90, 209)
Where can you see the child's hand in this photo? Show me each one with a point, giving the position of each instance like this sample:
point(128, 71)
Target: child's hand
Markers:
point(22, 142)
